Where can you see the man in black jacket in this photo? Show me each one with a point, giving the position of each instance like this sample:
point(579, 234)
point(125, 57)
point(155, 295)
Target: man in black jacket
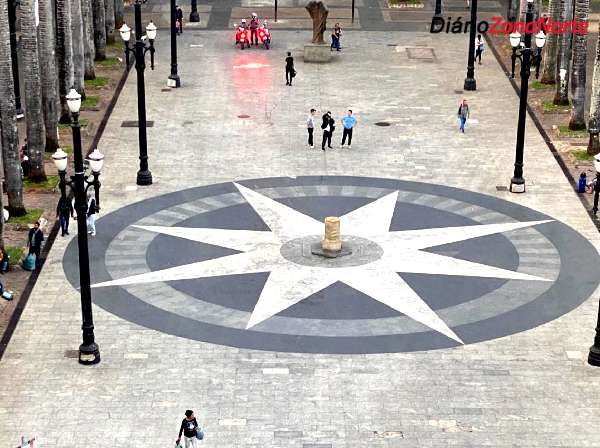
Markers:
point(328, 127)
point(64, 210)
point(188, 428)
point(34, 242)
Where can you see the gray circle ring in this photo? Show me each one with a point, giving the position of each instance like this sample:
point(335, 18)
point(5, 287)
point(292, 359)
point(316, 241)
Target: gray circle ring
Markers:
point(577, 280)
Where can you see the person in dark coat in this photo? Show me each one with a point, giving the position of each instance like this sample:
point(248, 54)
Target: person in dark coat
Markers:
point(289, 69)
point(189, 428)
point(328, 126)
point(179, 14)
point(64, 210)
point(34, 242)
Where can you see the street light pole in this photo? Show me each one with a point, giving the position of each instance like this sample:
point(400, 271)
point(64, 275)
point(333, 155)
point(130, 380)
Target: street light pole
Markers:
point(523, 52)
point(12, 21)
point(438, 10)
point(89, 352)
point(594, 354)
point(174, 80)
point(470, 83)
point(194, 15)
point(144, 176)
point(352, 11)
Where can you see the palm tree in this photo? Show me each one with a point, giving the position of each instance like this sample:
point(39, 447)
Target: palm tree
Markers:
point(50, 98)
point(594, 123)
point(511, 13)
point(89, 51)
point(119, 13)
point(36, 132)
point(561, 98)
point(64, 53)
point(549, 68)
point(109, 8)
point(99, 29)
point(577, 121)
point(78, 50)
point(10, 134)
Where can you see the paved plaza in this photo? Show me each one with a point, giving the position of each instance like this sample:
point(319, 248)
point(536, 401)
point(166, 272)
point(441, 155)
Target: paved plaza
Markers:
point(207, 297)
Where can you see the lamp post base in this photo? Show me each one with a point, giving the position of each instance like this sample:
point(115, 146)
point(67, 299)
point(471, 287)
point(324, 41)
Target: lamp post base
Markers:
point(144, 177)
point(194, 16)
point(89, 354)
point(19, 113)
point(173, 81)
point(517, 185)
point(470, 84)
point(594, 356)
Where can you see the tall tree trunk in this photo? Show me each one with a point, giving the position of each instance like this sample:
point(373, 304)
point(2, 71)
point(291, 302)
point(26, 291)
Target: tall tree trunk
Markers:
point(561, 98)
point(64, 53)
point(99, 29)
point(1, 208)
point(578, 79)
point(549, 59)
point(10, 134)
point(522, 10)
point(89, 51)
point(50, 97)
point(36, 132)
point(511, 13)
point(594, 123)
point(119, 14)
point(109, 8)
point(78, 50)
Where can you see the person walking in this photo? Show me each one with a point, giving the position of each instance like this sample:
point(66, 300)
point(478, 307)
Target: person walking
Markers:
point(310, 127)
point(91, 214)
point(64, 210)
point(34, 242)
point(179, 16)
point(463, 114)
point(478, 47)
point(349, 121)
point(189, 428)
point(289, 69)
point(336, 35)
point(328, 126)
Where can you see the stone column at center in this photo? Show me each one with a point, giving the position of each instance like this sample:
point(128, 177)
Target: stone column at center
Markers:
point(332, 241)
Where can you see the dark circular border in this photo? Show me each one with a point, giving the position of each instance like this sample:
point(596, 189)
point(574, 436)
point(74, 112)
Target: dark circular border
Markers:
point(577, 280)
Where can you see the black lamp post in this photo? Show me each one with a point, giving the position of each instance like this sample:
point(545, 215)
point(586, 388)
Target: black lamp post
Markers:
point(194, 15)
point(523, 52)
point(594, 354)
point(470, 83)
point(173, 80)
point(275, 11)
point(89, 353)
point(144, 176)
point(438, 11)
point(12, 25)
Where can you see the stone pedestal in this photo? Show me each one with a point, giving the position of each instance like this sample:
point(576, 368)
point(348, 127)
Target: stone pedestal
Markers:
point(317, 52)
point(332, 241)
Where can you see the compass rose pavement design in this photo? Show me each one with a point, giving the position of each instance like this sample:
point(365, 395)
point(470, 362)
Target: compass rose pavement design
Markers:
point(431, 266)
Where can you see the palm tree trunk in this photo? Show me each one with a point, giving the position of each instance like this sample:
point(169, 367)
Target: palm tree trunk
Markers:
point(64, 53)
point(10, 134)
point(78, 50)
point(50, 98)
point(109, 8)
point(1, 214)
point(119, 14)
point(511, 13)
point(36, 132)
point(89, 51)
point(594, 123)
point(578, 80)
point(99, 29)
point(561, 98)
point(549, 68)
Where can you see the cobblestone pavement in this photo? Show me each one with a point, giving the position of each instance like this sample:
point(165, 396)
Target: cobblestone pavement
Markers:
point(531, 389)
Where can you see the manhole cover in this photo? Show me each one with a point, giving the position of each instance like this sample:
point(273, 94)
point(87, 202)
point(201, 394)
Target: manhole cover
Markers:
point(383, 123)
point(134, 124)
point(187, 123)
point(243, 116)
point(421, 53)
point(168, 89)
point(501, 188)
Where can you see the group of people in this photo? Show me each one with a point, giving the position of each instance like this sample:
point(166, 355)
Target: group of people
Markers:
point(65, 211)
point(253, 27)
point(328, 127)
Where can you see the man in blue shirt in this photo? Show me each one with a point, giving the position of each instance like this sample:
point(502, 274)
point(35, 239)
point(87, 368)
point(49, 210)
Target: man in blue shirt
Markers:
point(349, 122)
